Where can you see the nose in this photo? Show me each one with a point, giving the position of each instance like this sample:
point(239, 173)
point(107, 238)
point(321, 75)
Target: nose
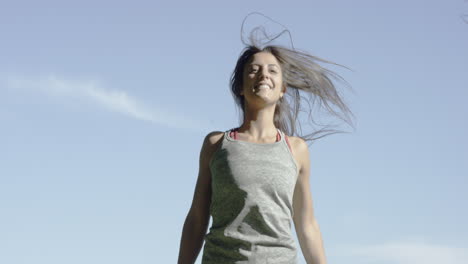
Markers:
point(264, 73)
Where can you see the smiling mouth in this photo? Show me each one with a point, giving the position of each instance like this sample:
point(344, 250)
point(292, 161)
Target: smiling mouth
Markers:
point(262, 86)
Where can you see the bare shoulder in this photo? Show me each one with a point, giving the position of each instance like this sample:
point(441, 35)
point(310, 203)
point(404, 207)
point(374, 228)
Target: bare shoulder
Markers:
point(300, 150)
point(214, 137)
point(211, 143)
point(298, 145)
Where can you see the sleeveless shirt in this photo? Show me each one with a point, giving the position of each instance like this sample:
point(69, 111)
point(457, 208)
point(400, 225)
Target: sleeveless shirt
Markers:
point(251, 203)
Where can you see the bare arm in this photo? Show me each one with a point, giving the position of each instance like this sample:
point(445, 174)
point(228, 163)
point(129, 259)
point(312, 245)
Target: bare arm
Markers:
point(305, 223)
point(196, 222)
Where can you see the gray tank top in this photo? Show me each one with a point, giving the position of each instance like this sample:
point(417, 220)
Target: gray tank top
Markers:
point(251, 204)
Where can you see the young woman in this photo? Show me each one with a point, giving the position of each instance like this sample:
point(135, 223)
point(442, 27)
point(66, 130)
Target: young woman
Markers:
point(254, 179)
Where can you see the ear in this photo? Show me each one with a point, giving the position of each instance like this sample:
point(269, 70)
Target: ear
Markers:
point(284, 91)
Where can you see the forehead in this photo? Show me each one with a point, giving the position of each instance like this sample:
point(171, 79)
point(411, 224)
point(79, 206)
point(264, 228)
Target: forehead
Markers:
point(263, 58)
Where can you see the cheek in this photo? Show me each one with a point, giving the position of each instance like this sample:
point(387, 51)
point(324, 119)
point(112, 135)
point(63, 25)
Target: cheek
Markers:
point(279, 80)
point(249, 80)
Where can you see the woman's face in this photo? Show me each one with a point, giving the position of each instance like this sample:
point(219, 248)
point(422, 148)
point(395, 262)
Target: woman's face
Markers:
point(263, 79)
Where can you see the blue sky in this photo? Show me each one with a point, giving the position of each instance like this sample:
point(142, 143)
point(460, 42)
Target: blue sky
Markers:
point(104, 106)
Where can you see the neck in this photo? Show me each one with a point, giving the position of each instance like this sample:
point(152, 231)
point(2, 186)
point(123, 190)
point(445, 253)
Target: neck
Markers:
point(258, 123)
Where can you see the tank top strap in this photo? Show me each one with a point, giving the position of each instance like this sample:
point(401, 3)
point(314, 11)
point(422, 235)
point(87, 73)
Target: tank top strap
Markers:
point(232, 134)
point(283, 135)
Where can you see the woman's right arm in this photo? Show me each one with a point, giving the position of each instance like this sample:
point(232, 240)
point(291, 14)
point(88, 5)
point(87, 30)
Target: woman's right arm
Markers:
point(196, 222)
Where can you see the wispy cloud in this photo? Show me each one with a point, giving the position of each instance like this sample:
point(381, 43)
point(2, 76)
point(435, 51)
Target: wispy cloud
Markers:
point(112, 100)
point(405, 252)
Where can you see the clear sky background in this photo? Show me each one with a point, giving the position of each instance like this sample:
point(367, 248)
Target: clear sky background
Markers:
point(104, 106)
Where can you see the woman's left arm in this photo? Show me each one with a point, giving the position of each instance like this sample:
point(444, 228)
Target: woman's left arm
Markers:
point(307, 227)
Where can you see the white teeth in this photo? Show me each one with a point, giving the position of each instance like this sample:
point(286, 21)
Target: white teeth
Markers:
point(263, 86)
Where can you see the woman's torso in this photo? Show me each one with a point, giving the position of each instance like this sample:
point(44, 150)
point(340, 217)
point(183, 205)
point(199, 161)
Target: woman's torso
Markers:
point(251, 203)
